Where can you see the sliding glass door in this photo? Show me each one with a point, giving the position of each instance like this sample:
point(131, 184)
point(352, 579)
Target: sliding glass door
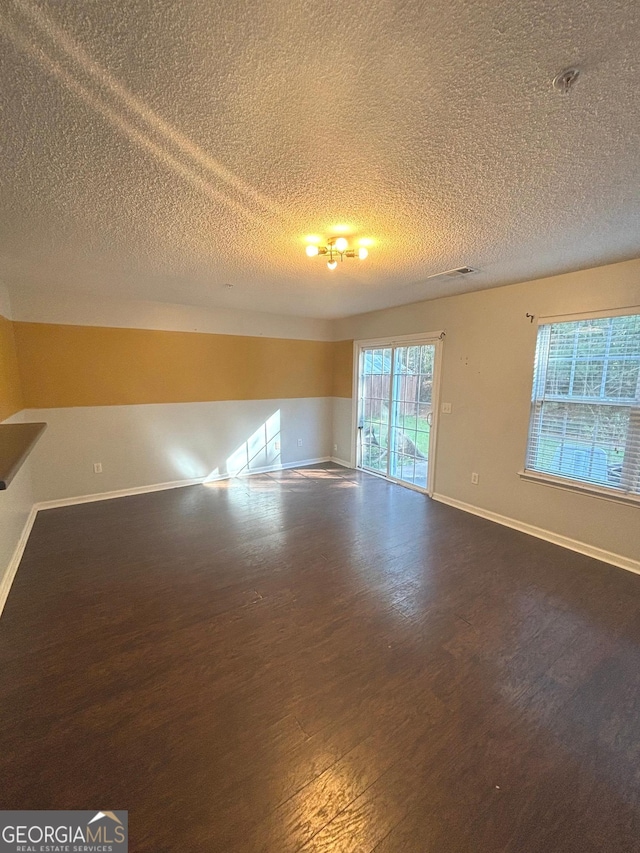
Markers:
point(375, 389)
point(396, 426)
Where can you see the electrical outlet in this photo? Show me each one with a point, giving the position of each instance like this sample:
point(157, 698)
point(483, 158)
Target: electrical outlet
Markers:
point(97, 467)
point(446, 408)
point(277, 445)
point(335, 448)
point(474, 479)
point(299, 442)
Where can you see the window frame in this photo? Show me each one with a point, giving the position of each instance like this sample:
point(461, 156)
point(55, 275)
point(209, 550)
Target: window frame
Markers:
point(563, 481)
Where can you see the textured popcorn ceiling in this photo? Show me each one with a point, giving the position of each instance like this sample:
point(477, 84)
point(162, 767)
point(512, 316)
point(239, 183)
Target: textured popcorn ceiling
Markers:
point(156, 149)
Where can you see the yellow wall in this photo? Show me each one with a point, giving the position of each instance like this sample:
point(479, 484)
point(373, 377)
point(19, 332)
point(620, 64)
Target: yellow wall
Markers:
point(10, 393)
point(343, 369)
point(66, 366)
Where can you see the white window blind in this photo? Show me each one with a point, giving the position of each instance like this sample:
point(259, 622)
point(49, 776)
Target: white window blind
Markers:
point(585, 412)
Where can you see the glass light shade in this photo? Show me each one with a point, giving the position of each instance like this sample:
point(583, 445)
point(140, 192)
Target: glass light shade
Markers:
point(311, 251)
point(362, 253)
point(341, 244)
point(332, 264)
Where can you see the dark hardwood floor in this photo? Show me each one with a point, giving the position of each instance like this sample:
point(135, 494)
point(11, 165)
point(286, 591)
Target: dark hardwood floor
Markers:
point(318, 660)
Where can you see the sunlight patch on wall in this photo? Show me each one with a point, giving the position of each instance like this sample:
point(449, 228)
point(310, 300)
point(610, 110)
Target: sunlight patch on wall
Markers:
point(261, 450)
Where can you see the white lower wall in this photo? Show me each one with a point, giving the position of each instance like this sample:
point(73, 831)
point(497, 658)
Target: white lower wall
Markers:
point(151, 444)
point(342, 423)
point(16, 515)
point(16, 502)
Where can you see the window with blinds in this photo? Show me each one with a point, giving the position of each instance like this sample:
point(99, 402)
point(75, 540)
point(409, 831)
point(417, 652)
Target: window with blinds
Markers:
point(585, 412)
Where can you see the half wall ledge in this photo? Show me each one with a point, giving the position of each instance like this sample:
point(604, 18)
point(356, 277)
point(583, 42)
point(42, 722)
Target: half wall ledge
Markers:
point(16, 443)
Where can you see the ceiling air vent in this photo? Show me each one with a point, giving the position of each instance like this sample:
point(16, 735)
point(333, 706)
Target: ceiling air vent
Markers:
point(450, 275)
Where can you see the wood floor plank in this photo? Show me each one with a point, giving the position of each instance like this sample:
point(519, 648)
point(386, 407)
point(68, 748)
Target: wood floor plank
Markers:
point(319, 660)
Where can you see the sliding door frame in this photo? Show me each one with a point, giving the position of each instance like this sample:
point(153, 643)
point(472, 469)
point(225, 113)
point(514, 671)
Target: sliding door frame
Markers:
point(434, 338)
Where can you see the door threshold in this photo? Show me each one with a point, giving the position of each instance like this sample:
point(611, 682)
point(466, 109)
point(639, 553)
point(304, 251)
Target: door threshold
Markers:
point(395, 481)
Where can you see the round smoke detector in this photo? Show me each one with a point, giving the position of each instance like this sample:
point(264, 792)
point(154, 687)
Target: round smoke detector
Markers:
point(566, 80)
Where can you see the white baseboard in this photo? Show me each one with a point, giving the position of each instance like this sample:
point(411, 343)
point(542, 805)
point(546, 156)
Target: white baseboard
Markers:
point(342, 462)
point(11, 570)
point(119, 493)
point(176, 484)
point(266, 469)
point(540, 533)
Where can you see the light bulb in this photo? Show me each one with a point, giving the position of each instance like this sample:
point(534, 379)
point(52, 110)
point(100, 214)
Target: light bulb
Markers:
point(312, 251)
point(341, 244)
point(332, 264)
point(363, 253)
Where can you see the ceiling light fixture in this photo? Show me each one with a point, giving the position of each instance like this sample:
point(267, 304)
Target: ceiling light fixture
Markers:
point(337, 248)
